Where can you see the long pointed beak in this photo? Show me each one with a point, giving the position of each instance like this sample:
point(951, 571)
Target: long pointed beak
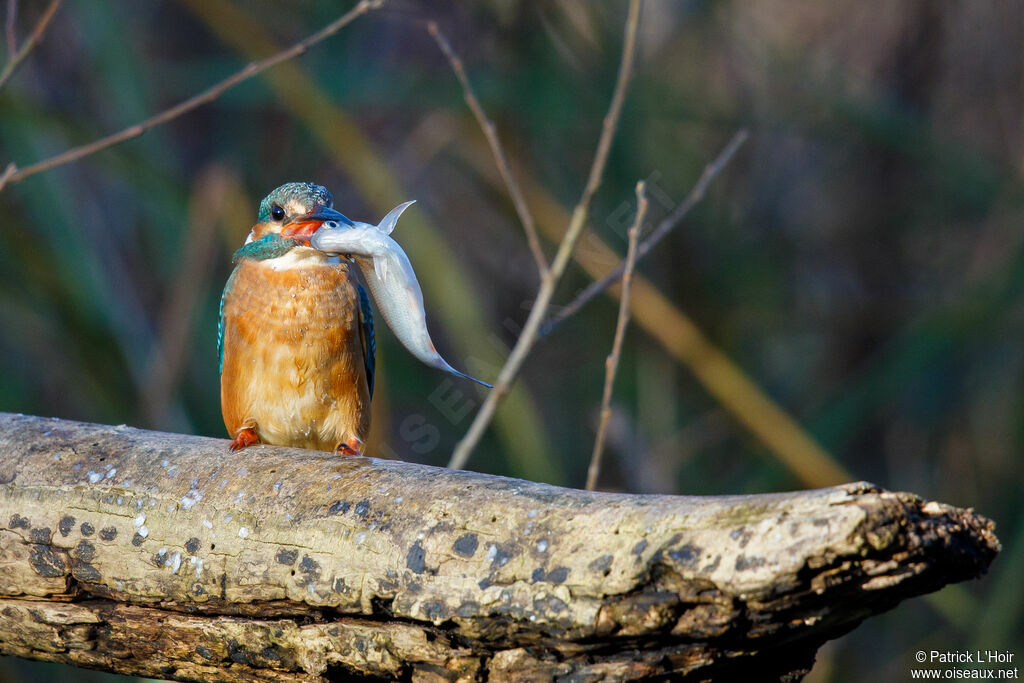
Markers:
point(301, 228)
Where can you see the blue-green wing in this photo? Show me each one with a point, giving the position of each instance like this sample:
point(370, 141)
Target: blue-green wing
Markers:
point(220, 322)
point(366, 336)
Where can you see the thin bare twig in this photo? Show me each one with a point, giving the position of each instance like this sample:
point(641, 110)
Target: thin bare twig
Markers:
point(667, 224)
point(10, 32)
point(6, 175)
point(500, 158)
point(205, 97)
point(549, 281)
point(30, 43)
point(611, 364)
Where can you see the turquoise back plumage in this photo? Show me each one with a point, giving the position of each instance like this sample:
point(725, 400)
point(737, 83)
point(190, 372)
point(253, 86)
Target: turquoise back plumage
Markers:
point(366, 334)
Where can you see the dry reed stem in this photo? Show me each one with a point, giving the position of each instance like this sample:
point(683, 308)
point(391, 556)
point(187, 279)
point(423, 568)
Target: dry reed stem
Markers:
point(10, 32)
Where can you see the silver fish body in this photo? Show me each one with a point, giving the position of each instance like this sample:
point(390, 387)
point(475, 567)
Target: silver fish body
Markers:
point(391, 280)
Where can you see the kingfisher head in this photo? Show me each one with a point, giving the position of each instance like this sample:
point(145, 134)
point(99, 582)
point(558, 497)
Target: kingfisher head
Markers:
point(295, 211)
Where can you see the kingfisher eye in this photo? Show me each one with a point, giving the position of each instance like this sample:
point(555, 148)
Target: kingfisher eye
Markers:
point(277, 213)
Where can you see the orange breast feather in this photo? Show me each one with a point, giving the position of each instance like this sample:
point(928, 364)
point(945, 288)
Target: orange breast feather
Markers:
point(293, 361)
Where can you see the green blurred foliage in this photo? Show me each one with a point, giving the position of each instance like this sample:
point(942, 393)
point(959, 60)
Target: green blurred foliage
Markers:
point(862, 258)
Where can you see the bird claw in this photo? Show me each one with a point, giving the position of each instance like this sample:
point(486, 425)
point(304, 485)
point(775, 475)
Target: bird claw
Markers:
point(353, 446)
point(246, 437)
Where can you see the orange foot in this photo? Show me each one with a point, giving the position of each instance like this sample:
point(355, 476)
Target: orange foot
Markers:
point(353, 446)
point(246, 437)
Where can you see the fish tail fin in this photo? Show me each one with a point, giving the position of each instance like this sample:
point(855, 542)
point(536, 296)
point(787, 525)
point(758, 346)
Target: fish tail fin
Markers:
point(443, 365)
point(387, 224)
point(478, 381)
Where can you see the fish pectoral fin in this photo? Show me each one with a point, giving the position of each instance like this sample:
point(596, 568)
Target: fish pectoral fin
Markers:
point(387, 224)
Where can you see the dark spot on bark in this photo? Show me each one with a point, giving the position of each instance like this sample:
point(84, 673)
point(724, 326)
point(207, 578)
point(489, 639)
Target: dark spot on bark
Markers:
point(341, 506)
point(389, 585)
point(137, 540)
point(85, 572)
point(197, 589)
point(640, 547)
point(436, 610)
point(223, 586)
point(88, 529)
point(238, 654)
point(675, 539)
point(362, 507)
point(360, 644)
point(741, 535)
point(108, 533)
point(287, 556)
point(558, 575)
point(84, 551)
point(204, 652)
point(466, 545)
point(40, 534)
point(549, 604)
point(310, 568)
point(65, 525)
point(602, 564)
point(192, 545)
point(334, 631)
point(688, 555)
point(270, 654)
point(485, 583)
point(743, 562)
point(18, 522)
point(416, 558)
point(339, 586)
point(713, 566)
point(820, 522)
point(468, 609)
point(46, 562)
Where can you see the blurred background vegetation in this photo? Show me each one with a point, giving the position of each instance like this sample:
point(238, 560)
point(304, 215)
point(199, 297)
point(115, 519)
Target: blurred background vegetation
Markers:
point(860, 260)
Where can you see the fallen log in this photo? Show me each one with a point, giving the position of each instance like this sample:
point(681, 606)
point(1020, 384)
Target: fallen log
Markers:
point(163, 555)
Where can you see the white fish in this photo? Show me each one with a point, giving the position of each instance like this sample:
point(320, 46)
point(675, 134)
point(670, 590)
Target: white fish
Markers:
point(390, 278)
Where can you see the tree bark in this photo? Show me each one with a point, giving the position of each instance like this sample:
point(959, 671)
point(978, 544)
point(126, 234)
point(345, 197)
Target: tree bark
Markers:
point(164, 555)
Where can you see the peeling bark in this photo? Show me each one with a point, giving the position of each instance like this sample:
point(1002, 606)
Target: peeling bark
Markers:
point(163, 555)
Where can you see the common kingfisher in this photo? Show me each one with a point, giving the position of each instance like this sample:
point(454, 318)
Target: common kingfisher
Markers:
point(296, 333)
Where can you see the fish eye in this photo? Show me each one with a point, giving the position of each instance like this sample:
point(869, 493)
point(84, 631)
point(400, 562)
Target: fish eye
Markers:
point(277, 213)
